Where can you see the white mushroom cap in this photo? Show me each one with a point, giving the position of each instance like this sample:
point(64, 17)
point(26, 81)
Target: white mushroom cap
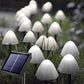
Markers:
point(60, 15)
point(29, 37)
point(46, 71)
point(50, 44)
point(25, 26)
point(26, 11)
point(41, 40)
point(32, 2)
point(19, 15)
point(23, 20)
point(10, 38)
point(70, 48)
point(37, 27)
point(47, 7)
point(46, 19)
point(37, 55)
point(34, 9)
point(68, 65)
point(54, 29)
point(33, 6)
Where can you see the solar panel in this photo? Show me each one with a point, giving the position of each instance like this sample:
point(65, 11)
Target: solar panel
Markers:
point(16, 63)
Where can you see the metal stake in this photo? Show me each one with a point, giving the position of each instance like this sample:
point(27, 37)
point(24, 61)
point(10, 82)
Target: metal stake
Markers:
point(23, 78)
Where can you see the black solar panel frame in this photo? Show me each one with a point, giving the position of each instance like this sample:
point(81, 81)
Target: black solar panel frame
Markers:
point(24, 68)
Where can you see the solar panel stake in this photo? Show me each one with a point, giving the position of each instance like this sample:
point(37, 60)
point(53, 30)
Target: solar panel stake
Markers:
point(23, 78)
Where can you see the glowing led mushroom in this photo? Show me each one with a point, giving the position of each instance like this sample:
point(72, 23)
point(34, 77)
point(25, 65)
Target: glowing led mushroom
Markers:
point(26, 11)
point(70, 48)
point(54, 29)
point(46, 19)
point(50, 45)
point(46, 71)
point(41, 41)
point(37, 55)
point(32, 2)
point(60, 16)
point(10, 39)
point(38, 28)
point(68, 65)
point(47, 7)
point(25, 26)
point(29, 38)
point(19, 15)
point(33, 6)
point(23, 20)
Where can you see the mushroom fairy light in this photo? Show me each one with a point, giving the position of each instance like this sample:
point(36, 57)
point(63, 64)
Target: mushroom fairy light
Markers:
point(46, 19)
point(10, 39)
point(19, 15)
point(25, 26)
point(70, 48)
point(68, 65)
point(54, 29)
point(33, 7)
point(46, 71)
point(47, 7)
point(41, 41)
point(50, 45)
point(23, 20)
point(38, 28)
point(60, 16)
point(26, 11)
point(29, 39)
point(37, 56)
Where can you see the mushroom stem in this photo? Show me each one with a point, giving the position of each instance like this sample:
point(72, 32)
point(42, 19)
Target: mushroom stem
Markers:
point(56, 38)
point(46, 30)
point(38, 34)
point(9, 48)
point(60, 22)
point(69, 79)
point(24, 33)
point(35, 65)
point(46, 82)
point(28, 46)
point(48, 52)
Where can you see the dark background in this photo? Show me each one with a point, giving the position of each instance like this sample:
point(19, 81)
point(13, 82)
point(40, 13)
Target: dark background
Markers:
point(14, 5)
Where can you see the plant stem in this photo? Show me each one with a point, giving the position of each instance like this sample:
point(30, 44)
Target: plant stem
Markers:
point(16, 47)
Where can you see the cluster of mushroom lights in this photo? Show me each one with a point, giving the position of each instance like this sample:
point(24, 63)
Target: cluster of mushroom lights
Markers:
point(46, 70)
